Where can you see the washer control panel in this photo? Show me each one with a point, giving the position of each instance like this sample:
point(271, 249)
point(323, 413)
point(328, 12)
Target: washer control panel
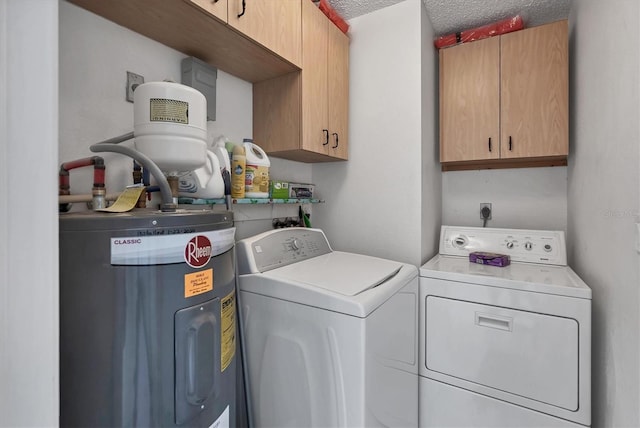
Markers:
point(281, 247)
point(522, 245)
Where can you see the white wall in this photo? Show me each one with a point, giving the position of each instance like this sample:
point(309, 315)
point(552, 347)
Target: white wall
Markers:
point(95, 55)
point(28, 213)
point(526, 198)
point(603, 201)
point(432, 189)
point(374, 201)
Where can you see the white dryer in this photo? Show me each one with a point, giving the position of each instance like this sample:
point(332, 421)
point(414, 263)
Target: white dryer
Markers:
point(330, 337)
point(504, 346)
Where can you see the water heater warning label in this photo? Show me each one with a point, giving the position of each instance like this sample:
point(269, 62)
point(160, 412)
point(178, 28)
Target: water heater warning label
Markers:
point(228, 326)
point(164, 110)
point(198, 283)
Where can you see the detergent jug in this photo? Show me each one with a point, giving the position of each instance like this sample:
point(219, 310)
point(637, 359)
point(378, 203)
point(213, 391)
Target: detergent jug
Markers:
point(238, 172)
point(257, 171)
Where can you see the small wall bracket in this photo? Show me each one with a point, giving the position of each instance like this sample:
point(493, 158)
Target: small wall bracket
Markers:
point(133, 81)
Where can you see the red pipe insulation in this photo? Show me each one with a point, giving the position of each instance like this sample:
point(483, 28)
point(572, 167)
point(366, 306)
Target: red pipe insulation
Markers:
point(98, 172)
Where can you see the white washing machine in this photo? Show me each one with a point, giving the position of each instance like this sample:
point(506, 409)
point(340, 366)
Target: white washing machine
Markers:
point(504, 346)
point(330, 337)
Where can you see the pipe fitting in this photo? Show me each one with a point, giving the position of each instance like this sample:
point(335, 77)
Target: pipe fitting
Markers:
point(64, 186)
point(99, 200)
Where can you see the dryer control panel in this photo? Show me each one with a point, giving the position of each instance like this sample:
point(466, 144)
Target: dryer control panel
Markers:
point(280, 247)
point(522, 245)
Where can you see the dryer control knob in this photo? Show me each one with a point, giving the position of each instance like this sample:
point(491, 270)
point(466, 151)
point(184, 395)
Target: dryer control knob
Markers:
point(547, 248)
point(510, 245)
point(528, 246)
point(459, 241)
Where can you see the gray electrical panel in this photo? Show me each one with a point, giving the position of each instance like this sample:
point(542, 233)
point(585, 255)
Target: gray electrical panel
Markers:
point(201, 76)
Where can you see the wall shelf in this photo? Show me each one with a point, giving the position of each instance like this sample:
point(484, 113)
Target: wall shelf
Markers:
point(250, 201)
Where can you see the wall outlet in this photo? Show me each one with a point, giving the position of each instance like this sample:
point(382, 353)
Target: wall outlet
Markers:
point(133, 80)
point(483, 207)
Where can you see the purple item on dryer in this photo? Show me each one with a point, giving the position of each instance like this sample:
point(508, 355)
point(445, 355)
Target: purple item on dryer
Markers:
point(491, 259)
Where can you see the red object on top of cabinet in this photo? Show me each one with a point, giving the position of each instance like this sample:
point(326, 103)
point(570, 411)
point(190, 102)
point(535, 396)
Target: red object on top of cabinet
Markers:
point(326, 8)
point(490, 30)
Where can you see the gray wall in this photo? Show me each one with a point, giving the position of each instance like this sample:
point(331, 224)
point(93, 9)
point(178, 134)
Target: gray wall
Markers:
point(603, 201)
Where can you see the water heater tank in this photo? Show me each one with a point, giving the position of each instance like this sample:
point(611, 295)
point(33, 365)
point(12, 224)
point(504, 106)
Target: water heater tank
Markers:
point(148, 334)
point(170, 126)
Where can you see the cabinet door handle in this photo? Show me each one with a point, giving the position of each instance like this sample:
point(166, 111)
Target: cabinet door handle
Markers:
point(244, 8)
point(326, 137)
point(335, 134)
point(510, 145)
point(489, 143)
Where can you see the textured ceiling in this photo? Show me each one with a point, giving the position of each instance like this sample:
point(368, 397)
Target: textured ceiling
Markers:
point(449, 16)
point(352, 8)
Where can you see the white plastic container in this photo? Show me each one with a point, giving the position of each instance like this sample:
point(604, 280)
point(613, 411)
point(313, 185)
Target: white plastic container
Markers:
point(205, 182)
point(257, 171)
point(170, 126)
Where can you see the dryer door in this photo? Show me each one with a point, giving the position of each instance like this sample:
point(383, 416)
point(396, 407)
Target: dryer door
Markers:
point(524, 353)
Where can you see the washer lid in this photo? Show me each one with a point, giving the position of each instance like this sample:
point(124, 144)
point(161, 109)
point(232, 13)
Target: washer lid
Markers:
point(559, 280)
point(343, 273)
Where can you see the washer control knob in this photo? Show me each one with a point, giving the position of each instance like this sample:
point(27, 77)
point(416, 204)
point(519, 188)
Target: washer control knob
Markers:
point(528, 246)
point(510, 244)
point(295, 244)
point(547, 247)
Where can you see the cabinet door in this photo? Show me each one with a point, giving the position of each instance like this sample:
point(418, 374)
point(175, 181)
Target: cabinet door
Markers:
point(216, 8)
point(338, 92)
point(275, 24)
point(470, 101)
point(535, 84)
point(316, 133)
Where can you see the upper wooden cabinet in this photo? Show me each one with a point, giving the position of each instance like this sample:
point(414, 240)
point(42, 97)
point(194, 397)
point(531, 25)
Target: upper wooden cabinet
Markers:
point(504, 100)
point(217, 8)
point(199, 28)
point(273, 24)
point(535, 92)
point(338, 92)
point(470, 101)
point(303, 116)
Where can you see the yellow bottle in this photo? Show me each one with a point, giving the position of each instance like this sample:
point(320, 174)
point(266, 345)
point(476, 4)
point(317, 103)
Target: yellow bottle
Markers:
point(238, 172)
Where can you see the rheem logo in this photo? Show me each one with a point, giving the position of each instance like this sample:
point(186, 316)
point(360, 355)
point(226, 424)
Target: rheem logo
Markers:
point(197, 253)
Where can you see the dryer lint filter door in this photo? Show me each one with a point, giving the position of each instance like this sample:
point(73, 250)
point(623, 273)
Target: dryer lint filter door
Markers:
point(528, 354)
point(344, 273)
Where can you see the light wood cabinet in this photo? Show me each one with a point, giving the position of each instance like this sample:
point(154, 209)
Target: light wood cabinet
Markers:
point(338, 92)
point(199, 28)
point(470, 101)
point(304, 116)
point(217, 8)
point(535, 92)
point(504, 100)
point(273, 24)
